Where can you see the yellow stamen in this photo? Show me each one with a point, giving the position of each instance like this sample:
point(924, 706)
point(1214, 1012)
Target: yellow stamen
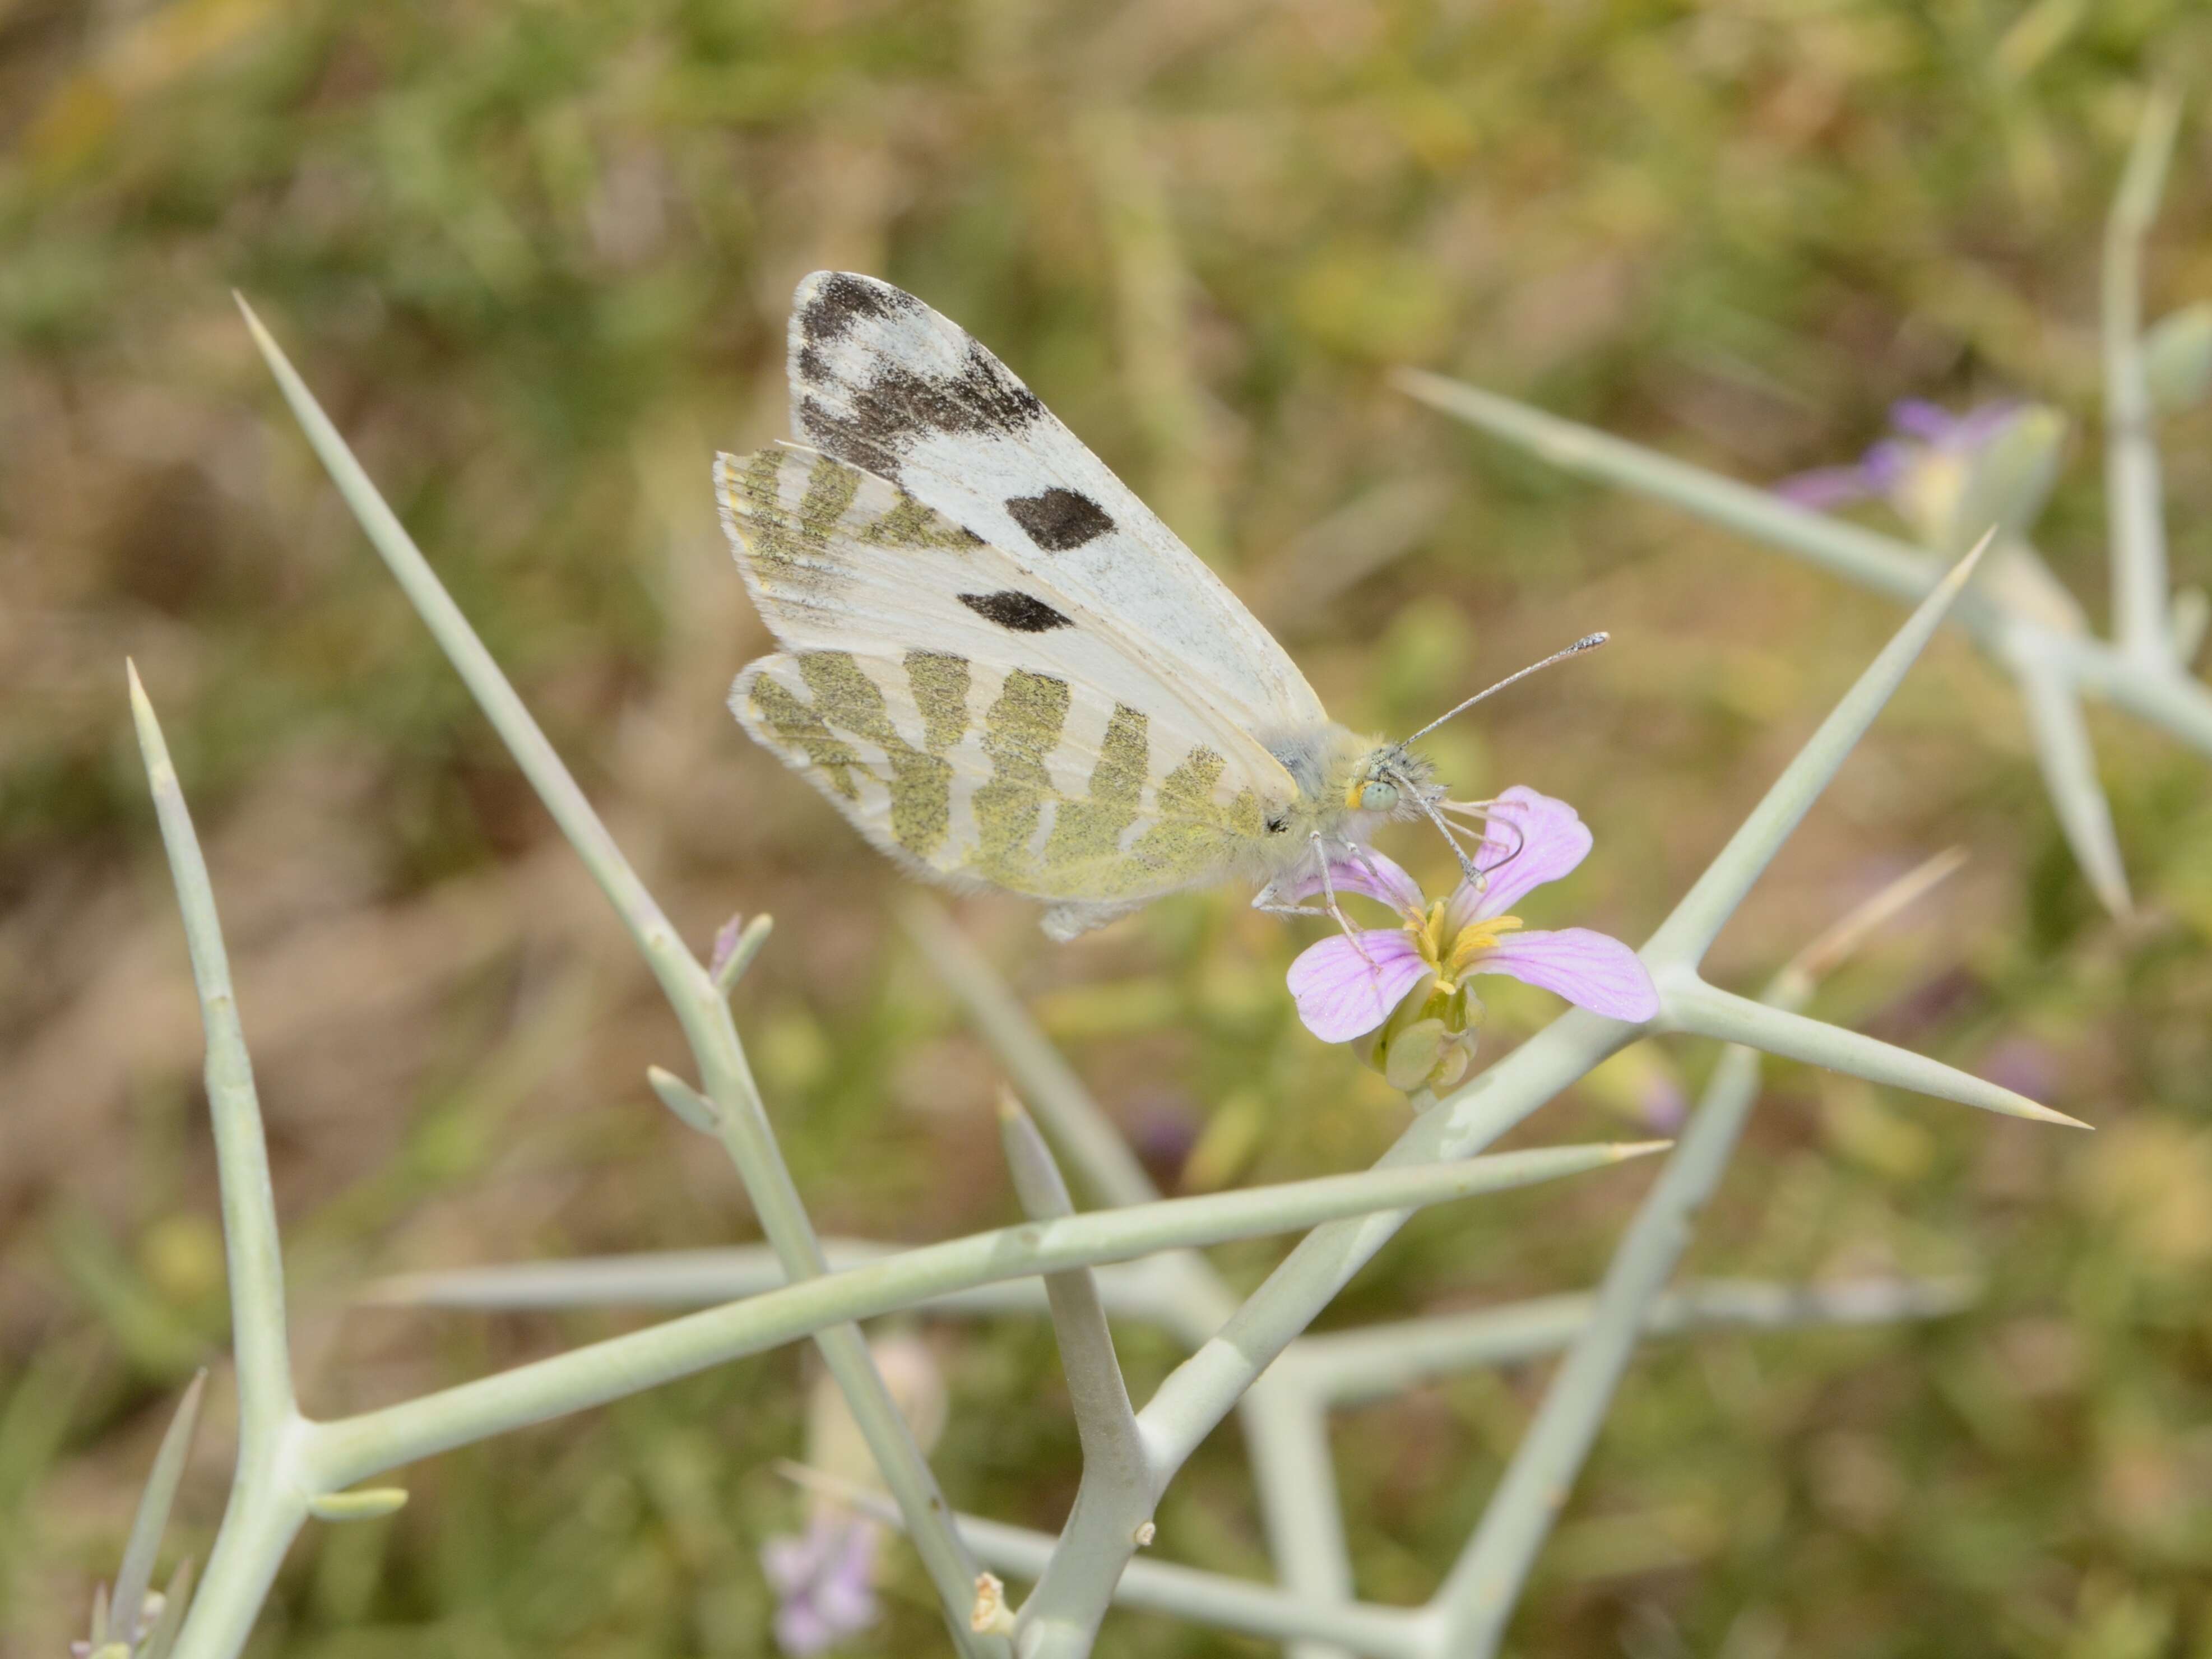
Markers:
point(1474, 941)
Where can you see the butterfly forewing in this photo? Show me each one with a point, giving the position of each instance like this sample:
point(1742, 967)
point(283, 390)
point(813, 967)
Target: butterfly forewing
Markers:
point(977, 722)
point(881, 381)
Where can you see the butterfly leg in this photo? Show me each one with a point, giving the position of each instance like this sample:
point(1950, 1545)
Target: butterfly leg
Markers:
point(1412, 913)
point(1481, 812)
point(1265, 899)
point(1328, 895)
point(1330, 907)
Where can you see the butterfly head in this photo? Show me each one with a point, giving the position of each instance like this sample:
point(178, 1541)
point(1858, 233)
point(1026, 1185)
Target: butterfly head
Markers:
point(1392, 782)
point(1395, 782)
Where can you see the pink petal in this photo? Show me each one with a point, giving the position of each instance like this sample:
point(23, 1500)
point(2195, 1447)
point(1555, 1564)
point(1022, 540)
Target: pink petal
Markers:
point(1367, 873)
point(1589, 969)
point(1341, 995)
point(1531, 839)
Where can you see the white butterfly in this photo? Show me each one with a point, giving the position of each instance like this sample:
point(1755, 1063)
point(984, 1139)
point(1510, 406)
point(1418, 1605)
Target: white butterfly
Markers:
point(999, 664)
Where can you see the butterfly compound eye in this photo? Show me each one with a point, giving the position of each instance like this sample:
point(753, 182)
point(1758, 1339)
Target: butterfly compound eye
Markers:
point(1375, 796)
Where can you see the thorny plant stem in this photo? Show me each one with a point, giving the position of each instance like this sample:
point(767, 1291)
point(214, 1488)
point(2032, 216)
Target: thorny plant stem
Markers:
point(357, 1448)
point(1478, 1596)
point(1283, 1414)
point(1063, 1106)
point(287, 1464)
point(1286, 1425)
point(310, 1461)
point(700, 1005)
point(2050, 653)
point(1199, 1393)
point(2134, 504)
point(2165, 697)
point(1687, 934)
point(1298, 1501)
point(701, 1279)
point(1343, 1367)
point(2062, 749)
point(266, 1503)
point(1114, 1458)
point(1295, 1479)
point(1346, 1367)
point(1211, 1598)
point(136, 1576)
point(249, 1202)
point(1691, 1004)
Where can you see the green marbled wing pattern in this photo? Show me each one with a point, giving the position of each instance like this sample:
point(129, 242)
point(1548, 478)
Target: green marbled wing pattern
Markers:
point(977, 773)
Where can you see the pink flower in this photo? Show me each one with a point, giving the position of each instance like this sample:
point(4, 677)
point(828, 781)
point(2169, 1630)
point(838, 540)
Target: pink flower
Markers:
point(824, 1581)
point(1394, 981)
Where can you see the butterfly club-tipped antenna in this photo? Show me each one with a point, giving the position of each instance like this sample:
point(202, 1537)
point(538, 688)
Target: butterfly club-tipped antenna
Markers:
point(1424, 796)
point(1588, 643)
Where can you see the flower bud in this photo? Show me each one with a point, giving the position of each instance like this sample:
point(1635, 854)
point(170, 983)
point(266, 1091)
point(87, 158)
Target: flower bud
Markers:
point(1428, 1042)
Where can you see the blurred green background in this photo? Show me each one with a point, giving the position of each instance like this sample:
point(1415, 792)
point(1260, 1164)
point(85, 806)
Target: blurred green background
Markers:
point(535, 258)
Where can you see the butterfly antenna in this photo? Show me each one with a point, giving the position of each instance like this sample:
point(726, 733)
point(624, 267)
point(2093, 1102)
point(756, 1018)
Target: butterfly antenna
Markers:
point(1467, 866)
point(1588, 643)
point(1479, 809)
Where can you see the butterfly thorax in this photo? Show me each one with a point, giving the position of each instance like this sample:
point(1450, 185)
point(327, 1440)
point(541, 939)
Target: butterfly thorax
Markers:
point(1348, 786)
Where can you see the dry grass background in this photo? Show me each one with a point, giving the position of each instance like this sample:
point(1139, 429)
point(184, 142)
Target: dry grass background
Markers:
point(535, 258)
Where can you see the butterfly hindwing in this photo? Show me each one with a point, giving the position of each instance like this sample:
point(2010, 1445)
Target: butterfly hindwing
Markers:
point(970, 719)
point(881, 381)
point(976, 772)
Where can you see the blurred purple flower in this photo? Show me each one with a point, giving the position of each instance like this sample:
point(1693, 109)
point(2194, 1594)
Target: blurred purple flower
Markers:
point(1397, 980)
point(1931, 436)
point(822, 1581)
point(1662, 1103)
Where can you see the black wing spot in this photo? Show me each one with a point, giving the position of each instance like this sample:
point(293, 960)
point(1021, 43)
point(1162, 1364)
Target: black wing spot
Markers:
point(1024, 613)
point(1059, 518)
point(1277, 824)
